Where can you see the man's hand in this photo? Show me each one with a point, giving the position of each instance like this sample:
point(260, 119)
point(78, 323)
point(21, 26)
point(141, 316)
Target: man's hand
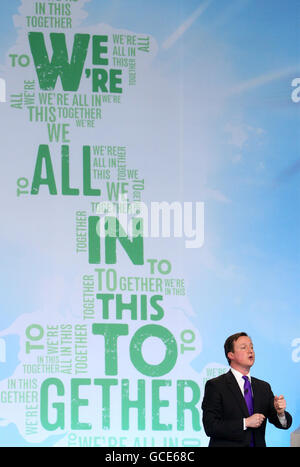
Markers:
point(255, 420)
point(279, 404)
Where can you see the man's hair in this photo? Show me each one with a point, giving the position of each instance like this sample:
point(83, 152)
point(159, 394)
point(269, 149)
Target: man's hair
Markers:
point(229, 343)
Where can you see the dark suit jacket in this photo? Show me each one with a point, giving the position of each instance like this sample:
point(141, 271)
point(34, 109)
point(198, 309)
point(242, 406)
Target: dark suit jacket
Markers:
point(224, 408)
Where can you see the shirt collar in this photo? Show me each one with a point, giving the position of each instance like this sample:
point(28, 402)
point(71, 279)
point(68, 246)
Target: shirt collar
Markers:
point(238, 375)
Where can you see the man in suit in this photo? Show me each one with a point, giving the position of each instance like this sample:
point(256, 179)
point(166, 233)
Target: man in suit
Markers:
point(227, 419)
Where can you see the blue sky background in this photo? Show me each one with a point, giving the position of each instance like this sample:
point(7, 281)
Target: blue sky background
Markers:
point(252, 205)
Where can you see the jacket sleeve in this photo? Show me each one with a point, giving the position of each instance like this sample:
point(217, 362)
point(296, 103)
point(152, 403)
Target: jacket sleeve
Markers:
point(213, 420)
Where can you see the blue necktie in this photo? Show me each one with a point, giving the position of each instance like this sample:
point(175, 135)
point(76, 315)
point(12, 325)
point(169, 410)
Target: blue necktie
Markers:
point(248, 394)
point(249, 401)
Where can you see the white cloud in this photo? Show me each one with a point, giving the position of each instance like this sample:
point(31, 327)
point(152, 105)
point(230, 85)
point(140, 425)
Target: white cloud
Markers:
point(240, 133)
point(217, 195)
point(186, 25)
point(263, 79)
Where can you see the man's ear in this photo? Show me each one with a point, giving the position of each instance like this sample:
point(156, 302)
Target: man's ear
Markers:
point(230, 355)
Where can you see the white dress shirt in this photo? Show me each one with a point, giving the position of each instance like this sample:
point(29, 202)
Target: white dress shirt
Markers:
point(239, 378)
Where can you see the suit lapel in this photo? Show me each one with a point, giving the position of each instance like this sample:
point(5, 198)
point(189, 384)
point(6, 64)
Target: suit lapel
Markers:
point(235, 389)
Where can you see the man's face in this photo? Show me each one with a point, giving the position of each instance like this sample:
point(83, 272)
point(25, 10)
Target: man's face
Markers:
point(243, 356)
